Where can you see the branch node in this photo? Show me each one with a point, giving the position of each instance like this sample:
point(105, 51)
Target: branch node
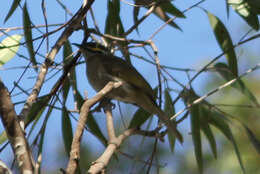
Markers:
point(114, 142)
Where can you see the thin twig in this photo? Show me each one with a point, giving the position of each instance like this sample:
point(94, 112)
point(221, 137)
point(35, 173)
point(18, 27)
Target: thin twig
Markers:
point(237, 105)
point(100, 164)
point(46, 23)
point(163, 66)
point(158, 68)
point(214, 60)
point(216, 90)
point(72, 26)
point(150, 11)
point(152, 155)
point(172, 19)
point(21, 28)
point(139, 160)
point(65, 8)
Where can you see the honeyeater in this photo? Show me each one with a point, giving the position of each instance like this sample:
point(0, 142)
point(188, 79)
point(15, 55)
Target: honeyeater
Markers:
point(103, 67)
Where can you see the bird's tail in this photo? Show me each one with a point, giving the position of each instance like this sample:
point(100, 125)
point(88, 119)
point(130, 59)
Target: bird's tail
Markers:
point(150, 106)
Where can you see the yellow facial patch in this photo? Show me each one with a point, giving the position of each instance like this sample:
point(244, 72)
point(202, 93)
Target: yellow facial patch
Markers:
point(95, 48)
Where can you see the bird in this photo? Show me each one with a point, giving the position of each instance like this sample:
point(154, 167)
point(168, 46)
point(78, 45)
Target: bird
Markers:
point(103, 67)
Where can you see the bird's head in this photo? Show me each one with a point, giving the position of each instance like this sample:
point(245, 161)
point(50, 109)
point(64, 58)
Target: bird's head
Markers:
point(90, 48)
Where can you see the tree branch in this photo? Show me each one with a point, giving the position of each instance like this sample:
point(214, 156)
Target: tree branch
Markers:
point(103, 160)
point(75, 147)
point(114, 142)
point(14, 132)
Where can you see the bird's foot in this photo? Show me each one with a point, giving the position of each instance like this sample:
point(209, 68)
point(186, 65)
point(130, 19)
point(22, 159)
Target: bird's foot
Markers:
point(105, 104)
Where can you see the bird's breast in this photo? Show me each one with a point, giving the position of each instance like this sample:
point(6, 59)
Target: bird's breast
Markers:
point(96, 75)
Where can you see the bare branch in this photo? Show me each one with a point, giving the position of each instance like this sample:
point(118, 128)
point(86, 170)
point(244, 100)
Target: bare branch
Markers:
point(103, 160)
point(75, 147)
point(114, 142)
point(14, 132)
point(150, 11)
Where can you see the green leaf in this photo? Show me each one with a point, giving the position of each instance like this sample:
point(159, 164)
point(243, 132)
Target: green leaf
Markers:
point(95, 130)
point(139, 118)
point(114, 24)
point(37, 108)
point(65, 89)
point(28, 36)
point(67, 52)
point(12, 9)
point(207, 130)
point(169, 106)
point(67, 56)
point(35, 121)
point(227, 8)
point(66, 122)
point(8, 48)
point(66, 130)
point(91, 122)
point(168, 7)
point(79, 99)
point(169, 110)
point(164, 17)
point(160, 11)
point(224, 42)
point(135, 16)
point(39, 115)
point(196, 137)
point(115, 27)
point(141, 115)
point(246, 11)
point(43, 128)
point(219, 122)
point(71, 79)
point(239, 84)
point(253, 139)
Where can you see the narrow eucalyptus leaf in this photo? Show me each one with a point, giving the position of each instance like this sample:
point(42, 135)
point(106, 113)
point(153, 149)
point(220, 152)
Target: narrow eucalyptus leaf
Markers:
point(224, 41)
point(205, 127)
point(220, 123)
point(253, 139)
point(248, 11)
point(225, 72)
point(12, 9)
point(28, 35)
point(169, 110)
point(66, 131)
point(196, 137)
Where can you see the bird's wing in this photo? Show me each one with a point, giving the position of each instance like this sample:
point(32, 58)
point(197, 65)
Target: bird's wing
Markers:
point(122, 69)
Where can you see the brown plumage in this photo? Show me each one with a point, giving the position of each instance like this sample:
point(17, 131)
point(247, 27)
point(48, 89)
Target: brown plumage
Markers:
point(102, 68)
